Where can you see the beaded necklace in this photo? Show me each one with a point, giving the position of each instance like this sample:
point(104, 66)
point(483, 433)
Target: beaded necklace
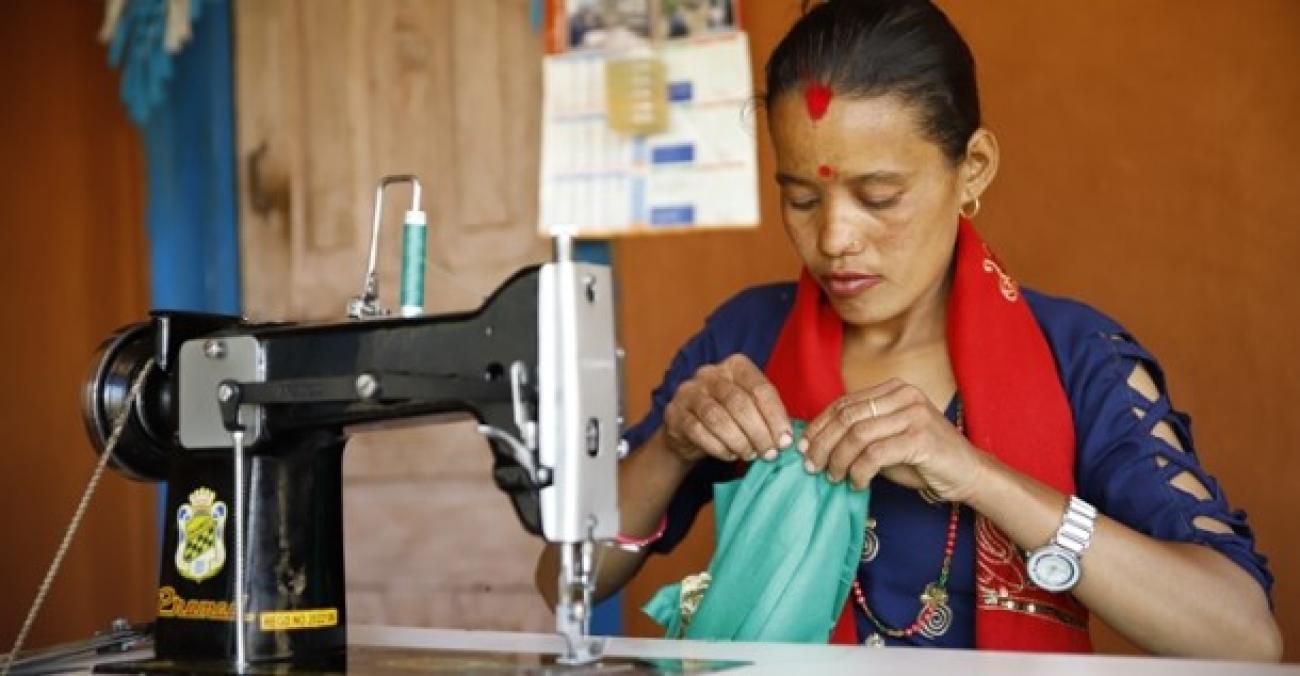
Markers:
point(935, 616)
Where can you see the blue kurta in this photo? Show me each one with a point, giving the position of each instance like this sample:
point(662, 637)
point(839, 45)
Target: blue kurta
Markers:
point(1120, 467)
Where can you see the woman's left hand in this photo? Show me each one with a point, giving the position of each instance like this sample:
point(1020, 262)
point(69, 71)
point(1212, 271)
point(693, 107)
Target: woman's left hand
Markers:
point(892, 429)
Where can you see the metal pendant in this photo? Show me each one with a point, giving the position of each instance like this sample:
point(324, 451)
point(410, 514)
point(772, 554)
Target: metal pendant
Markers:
point(936, 615)
point(874, 641)
point(937, 621)
point(870, 543)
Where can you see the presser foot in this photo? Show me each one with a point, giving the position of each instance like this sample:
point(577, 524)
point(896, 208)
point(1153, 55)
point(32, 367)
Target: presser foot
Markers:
point(580, 647)
point(581, 650)
point(572, 613)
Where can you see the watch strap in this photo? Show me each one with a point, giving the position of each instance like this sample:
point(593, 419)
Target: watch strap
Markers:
point(1075, 532)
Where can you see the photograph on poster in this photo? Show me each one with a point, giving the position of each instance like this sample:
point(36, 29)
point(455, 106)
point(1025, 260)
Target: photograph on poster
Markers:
point(601, 24)
point(692, 18)
point(613, 24)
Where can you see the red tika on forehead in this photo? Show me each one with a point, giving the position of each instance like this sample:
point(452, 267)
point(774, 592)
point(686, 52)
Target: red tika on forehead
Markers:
point(825, 171)
point(818, 98)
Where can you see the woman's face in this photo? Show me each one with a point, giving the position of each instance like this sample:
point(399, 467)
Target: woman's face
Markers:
point(870, 203)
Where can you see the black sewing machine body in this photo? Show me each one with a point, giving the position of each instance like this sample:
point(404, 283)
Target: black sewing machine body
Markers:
point(293, 391)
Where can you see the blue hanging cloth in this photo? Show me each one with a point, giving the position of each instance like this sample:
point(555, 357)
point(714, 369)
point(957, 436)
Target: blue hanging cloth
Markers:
point(143, 37)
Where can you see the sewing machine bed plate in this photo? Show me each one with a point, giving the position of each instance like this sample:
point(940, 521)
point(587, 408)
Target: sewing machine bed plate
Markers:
point(388, 661)
point(453, 650)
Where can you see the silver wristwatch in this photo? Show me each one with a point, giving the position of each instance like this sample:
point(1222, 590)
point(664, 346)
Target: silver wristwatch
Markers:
point(1055, 566)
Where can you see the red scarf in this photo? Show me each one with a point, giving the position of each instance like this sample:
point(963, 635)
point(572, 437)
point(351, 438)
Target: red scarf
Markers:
point(1014, 407)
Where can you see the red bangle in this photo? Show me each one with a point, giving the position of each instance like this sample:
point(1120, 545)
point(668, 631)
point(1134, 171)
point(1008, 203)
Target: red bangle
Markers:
point(637, 544)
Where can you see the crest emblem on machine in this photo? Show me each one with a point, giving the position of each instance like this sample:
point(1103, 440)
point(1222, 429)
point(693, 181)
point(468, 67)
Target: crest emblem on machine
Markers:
point(201, 526)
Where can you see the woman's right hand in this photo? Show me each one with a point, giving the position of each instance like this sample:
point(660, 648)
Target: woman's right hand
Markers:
point(728, 411)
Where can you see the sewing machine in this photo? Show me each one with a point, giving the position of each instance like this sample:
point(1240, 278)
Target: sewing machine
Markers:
point(247, 423)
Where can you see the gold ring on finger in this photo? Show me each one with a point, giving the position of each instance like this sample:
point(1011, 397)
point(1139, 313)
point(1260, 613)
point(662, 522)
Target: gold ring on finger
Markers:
point(874, 411)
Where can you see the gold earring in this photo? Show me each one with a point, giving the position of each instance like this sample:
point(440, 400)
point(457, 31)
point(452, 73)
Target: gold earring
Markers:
point(972, 213)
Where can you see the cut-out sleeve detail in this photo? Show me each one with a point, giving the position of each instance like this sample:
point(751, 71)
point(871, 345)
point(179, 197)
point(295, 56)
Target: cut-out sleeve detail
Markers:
point(1139, 380)
point(1211, 524)
point(1165, 432)
point(1137, 462)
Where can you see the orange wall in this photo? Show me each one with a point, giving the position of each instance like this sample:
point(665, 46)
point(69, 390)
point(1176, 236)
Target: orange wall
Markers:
point(72, 266)
point(1150, 157)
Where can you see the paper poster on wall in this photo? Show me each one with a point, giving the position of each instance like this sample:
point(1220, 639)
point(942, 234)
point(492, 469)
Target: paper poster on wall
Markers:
point(700, 170)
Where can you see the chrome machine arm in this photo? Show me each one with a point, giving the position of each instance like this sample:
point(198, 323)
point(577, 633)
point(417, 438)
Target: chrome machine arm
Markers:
point(579, 432)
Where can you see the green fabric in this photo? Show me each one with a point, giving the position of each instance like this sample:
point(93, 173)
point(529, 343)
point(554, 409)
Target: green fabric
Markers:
point(787, 550)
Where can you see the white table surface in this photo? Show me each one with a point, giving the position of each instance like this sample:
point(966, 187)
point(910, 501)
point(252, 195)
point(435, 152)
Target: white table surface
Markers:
point(805, 660)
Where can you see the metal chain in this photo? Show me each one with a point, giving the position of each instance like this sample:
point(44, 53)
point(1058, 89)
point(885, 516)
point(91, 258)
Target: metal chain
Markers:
point(118, 426)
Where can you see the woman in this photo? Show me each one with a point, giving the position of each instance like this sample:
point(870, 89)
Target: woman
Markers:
point(989, 420)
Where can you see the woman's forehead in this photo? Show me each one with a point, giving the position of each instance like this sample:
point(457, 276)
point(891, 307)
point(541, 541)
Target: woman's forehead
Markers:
point(885, 127)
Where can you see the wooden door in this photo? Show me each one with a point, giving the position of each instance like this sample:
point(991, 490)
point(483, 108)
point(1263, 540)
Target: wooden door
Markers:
point(74, 264)
point(333, 94)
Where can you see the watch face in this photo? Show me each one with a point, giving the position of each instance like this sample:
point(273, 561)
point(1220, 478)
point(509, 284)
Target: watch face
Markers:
point(1053, 569)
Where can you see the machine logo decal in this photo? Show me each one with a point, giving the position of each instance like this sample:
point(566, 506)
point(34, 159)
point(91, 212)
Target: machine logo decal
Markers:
point(201, 526)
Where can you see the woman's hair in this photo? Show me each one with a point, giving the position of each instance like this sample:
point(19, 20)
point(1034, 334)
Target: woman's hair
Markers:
point(866, 48)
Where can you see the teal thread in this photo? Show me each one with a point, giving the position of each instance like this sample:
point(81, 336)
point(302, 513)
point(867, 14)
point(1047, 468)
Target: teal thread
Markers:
point(413, 263)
